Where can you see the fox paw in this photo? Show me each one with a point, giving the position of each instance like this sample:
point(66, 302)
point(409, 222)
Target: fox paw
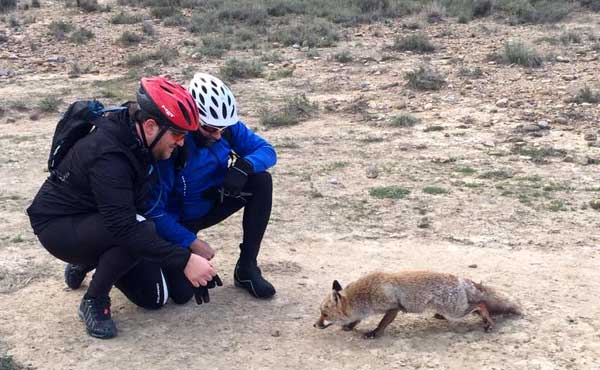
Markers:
point(371, 334)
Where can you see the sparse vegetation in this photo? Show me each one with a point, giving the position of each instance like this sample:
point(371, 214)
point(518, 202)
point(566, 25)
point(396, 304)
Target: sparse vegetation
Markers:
point(214, 46)
point(586, 95)
point(295, 110)
point(404, 120)
point(81, 35)
point(164, 54)
point(6, 5)
point(516, 52)
point(125, 18)
point(465, 170)
point(392, 192)
point(280, 73)
point(435, 190)
point(238, 68)
point(539, 154)
point(425, 78)
point(316, 33)
point(343, 57)
point(7, 363)
point(60, 29)
point(418, 42)
point(129, 38)
point(49, 104)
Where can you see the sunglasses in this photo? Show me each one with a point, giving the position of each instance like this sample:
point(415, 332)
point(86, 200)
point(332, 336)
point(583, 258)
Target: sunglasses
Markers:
point(212, 129)
point(177, 134)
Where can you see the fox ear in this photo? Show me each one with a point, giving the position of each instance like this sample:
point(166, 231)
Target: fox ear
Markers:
point(336, 286)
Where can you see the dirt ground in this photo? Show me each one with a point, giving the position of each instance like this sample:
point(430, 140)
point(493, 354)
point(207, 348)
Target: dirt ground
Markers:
point(512, 205)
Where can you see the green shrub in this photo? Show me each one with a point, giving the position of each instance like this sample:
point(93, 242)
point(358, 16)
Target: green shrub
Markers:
point(280, 73)
point(343, 57)
point(129, 38)
point(81, 36)
point(6, 5)
point(392, 192)
point(425, 78)
point(163, 12)
point(404, 120)
point(49, 104)
point(125, 18)
point(317, 33)
point(586, 95)
point(295, 110)
point(214, 46)
point(417, 42)
point(435, 190)
point(235, 69)
point(516, 52)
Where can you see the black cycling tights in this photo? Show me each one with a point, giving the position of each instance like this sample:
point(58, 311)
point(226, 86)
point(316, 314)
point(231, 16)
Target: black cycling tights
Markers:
point(83, 240)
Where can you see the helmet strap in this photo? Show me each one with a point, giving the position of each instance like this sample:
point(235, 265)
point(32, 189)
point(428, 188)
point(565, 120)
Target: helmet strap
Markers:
point(163, 130)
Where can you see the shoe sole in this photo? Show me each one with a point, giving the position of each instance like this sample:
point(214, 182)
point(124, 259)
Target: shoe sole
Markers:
point(90, 333)
point(240, 284)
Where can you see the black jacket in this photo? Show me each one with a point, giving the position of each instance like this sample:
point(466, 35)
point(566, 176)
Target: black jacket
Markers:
point(108, 171)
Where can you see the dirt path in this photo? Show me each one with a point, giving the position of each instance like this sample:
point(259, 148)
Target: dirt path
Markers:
point(515, 205)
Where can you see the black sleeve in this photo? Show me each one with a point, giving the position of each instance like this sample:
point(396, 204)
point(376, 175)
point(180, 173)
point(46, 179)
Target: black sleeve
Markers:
point(111, 180)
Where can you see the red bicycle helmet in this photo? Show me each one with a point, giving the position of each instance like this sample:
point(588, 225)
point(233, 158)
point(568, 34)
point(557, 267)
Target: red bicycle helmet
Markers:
point(168, 101)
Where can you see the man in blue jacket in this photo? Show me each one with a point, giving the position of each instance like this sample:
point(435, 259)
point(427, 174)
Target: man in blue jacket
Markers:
point(225, 170)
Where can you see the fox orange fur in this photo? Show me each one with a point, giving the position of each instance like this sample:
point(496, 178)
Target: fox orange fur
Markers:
point(449, 296)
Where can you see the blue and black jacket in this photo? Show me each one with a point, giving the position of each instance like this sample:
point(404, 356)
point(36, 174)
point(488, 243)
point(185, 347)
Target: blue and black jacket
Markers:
point(179, 196)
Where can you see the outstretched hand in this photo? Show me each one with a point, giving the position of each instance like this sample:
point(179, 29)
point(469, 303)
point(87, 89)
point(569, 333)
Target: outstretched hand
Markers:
point(201, 292)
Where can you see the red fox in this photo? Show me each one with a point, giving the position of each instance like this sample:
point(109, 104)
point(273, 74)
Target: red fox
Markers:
point(447, 295)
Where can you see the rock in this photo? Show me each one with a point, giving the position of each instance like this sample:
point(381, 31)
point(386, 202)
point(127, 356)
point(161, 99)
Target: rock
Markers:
point(372, 172)
point(561, 120)
point(428, 106)
point(424, 223)
point(275, 333)
point(296, 46)
point(590, 136)
point(530, 127)
point(502, 103)
point(543, 125)
point(595, 204)
point(562, 59)
point(56, 59)
point(11, 120)
point(6, 72)
point(473, 266)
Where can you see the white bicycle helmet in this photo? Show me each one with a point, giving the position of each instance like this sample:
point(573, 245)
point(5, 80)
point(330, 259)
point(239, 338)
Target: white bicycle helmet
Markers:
point(214, 100)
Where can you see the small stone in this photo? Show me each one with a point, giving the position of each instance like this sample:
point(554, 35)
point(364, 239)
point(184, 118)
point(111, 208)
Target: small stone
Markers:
point(372, 172)
point(562, 59)
point(561, 120)
point(473, 266)
point(502, 103)
point(590, 136)
point(296, 46)
point(595, 204)
point(569, 77)
point(275, 333)
point(543, 125)
point(530, 128)
point(424, 223)
point(11, 120)
point(34, 116)
point(428, 106)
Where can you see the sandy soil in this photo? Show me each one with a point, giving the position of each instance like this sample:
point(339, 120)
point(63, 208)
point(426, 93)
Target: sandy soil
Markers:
point(522, 223)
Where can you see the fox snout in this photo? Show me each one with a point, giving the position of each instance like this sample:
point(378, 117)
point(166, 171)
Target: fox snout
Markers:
point(321, 323)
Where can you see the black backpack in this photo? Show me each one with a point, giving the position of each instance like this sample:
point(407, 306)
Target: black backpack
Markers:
point(76, 122)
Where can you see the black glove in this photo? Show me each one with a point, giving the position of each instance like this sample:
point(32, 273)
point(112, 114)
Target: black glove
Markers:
point(237, 176)
point(201, 293)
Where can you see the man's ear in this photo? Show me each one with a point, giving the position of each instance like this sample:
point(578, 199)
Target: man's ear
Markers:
point(150, 126)
point(336, 286)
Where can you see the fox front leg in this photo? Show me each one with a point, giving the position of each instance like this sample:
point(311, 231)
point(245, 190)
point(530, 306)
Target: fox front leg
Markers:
point(349, 327)
point(482, 310)
point(385, 321)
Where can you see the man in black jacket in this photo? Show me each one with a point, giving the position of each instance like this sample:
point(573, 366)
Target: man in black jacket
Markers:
point(90, 210)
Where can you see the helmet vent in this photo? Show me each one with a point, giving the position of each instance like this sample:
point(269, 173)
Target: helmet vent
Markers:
point(215, 91)
point(224, 110)
point(214, 100)
point(204, 89)
point(214, 113)
point(201, 97)
point(232, 111)
point(184, 111)
point(202, 111)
